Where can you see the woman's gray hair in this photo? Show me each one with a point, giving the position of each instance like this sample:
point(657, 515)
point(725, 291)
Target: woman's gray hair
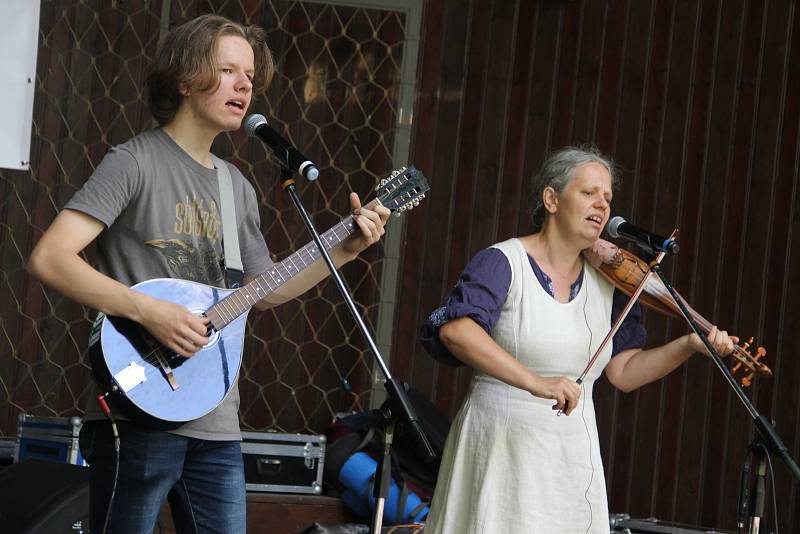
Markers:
point(557, 172)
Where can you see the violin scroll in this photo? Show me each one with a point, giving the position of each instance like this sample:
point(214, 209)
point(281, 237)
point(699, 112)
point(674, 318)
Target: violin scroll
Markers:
point(750, 364)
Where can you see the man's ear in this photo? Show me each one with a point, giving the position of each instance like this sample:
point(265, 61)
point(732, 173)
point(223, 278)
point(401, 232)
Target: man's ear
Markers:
point(550, 199)
point(183, 89)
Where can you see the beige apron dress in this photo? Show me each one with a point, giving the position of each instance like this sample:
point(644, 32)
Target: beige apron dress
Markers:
point(510, 464)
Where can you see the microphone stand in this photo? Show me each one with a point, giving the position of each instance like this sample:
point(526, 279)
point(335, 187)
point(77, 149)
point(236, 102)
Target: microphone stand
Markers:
point(397, 405)
point(768, 441)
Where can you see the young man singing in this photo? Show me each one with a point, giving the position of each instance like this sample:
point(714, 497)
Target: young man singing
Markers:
point(153, 206)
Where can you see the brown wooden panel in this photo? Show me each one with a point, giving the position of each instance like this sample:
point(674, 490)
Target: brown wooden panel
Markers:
point(677, 107)
point(588, 67)
point(634, 93)
point(781, 317)
point(513, 201)
point(416, 275)
point(567, 41)
point(488, 205)
point(691, 447)
point(427, 278)
point(735, 232)
point(607, 122)
point(710, 233)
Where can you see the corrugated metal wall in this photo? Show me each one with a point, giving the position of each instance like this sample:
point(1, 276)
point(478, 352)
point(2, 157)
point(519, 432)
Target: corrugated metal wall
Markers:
point(698, 101)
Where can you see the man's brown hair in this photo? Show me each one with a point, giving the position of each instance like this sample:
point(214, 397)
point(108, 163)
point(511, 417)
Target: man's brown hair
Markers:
point(186, 57)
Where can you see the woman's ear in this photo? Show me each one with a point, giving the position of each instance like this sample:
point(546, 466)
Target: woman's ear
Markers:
point(550, 199)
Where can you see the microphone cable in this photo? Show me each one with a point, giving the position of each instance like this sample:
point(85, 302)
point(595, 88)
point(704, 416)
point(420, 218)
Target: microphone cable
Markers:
point(101, 400)
point(743, 504)
point(765, 451)
point(744, 493)
point(772, 482)
point(583, 410)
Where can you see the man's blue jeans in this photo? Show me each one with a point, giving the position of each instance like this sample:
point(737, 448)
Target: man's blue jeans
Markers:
point(203, 480)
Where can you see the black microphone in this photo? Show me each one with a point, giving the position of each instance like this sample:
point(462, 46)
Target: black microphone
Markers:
point(256, 126)
point(619, 227)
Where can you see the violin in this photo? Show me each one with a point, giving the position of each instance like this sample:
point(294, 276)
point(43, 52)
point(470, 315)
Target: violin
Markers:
point(625, 271)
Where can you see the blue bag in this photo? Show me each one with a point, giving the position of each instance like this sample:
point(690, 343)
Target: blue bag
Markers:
point(357, 477)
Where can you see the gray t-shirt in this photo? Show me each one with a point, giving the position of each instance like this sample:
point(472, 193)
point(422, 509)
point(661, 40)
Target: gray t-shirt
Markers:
point(162, 217)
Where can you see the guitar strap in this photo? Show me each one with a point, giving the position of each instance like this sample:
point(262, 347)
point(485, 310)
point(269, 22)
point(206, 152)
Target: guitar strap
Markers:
point(234, 271)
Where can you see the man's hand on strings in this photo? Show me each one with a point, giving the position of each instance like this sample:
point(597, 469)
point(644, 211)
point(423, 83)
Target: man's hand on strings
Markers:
point(175, 327)
point(370, 220)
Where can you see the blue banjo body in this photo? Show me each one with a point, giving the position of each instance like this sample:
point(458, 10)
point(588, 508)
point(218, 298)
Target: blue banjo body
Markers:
point(153, 385)
point(185, 388)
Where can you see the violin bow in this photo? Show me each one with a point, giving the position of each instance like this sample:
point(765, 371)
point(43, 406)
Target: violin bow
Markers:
point(625, 311)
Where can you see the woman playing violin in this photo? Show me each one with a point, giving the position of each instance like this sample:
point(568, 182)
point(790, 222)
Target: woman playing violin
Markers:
point(527, 315)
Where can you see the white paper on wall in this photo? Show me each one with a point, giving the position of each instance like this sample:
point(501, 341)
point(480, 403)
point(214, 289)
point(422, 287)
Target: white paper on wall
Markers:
point(19, 37)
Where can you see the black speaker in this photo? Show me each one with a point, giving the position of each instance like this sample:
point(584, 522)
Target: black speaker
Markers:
point(44, 497)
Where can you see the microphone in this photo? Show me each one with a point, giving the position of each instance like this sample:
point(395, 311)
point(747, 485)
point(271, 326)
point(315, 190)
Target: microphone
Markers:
point(619, 227)
point(256, 126)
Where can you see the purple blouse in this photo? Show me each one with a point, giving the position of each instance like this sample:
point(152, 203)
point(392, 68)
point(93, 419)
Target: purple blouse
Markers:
point(481, 292)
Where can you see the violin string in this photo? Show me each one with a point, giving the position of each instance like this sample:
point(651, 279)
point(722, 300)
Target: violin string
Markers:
point(656, 287)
